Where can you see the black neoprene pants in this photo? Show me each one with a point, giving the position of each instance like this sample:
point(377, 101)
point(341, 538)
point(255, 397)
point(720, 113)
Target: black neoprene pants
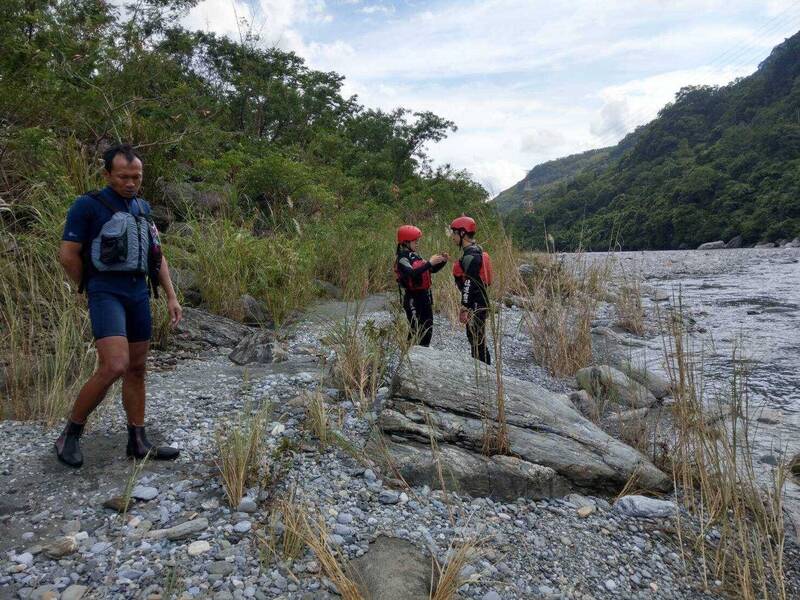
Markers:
point(419, 310)
point(476, 334)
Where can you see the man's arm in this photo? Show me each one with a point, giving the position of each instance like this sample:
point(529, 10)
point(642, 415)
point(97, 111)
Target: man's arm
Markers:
point(69, 255)
point(165, 281)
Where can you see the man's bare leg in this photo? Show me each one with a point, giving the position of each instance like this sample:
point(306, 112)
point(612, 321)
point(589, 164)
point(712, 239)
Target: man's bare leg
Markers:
point(133, 399)
point(112, 363)
point(133, 386)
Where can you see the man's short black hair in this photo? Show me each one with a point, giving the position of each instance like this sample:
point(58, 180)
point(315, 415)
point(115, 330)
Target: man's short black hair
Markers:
point(125, 150)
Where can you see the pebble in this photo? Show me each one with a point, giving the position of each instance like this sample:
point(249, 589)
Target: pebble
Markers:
point(242, 527)
point(247, 505)
point(389, 497)
point(198, 547)
point(344, 518)
point(144, 492)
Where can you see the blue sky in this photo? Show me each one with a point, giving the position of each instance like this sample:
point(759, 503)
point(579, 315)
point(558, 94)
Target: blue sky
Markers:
point(525, 81)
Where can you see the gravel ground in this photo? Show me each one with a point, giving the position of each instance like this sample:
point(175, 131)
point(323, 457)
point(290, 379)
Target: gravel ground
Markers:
point(58, 540)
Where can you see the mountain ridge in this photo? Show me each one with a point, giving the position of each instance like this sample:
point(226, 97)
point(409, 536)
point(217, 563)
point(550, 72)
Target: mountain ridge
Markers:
point(716, 163)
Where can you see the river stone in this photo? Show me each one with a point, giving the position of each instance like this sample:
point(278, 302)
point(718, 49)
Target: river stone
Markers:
point(657, 383)
point(718, 245)
point(252, 311)
point(543, 429)
point(117, 503)
point(74, 592)
point(393, 569)
point(144, 492)
point(46, 592)
point(180, 531)
point(242, 527)
point(607, 382)
point(60, 547)
point(644, 507)
point(199, 547)
point(255, 348)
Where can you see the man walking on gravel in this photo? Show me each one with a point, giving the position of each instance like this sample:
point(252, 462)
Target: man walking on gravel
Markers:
point(110, 247)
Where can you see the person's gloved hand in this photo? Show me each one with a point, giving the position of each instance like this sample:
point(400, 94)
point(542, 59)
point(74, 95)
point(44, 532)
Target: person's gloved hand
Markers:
point(463, 316)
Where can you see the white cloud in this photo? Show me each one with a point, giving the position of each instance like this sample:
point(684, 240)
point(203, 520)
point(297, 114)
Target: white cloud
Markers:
point(371, 9)
point(277, 22)
point(525, 80)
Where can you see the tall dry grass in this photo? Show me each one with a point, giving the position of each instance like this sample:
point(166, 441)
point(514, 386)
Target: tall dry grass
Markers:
point(737, 528)
point(364, 351)
point(46, 348)
point(240, 458)
point(561, 300)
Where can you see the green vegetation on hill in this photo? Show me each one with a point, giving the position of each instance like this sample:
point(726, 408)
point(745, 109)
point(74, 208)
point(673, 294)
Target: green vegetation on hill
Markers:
point(545, 176)
point(716, 163)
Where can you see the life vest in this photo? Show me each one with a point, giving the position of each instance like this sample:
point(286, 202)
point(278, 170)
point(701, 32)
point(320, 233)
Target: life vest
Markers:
point(126, 243)
point(413, 284)
point(485, 272)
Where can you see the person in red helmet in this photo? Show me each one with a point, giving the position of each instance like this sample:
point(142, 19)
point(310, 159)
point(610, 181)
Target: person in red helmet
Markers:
point(472, 273)
point(413, 274)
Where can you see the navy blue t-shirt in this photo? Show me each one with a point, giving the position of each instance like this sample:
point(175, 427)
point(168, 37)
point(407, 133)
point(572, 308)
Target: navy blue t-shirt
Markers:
point(85, 219)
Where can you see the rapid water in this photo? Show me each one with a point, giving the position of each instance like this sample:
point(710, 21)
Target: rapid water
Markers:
point(746, 300)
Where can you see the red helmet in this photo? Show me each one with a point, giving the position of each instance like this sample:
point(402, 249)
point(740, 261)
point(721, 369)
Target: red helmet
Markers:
point(408, 233)
point(465, 223)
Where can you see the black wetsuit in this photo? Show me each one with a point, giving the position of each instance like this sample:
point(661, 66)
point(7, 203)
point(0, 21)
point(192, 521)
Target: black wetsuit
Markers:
point(418, 304)
point(474, 296)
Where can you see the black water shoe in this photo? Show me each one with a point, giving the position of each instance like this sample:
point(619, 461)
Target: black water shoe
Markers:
point(139, 446)
point(68, 445)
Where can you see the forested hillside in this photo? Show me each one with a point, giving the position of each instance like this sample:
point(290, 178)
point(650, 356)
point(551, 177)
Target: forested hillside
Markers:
point(545, 176)
point(260, 155)
point(716, 163)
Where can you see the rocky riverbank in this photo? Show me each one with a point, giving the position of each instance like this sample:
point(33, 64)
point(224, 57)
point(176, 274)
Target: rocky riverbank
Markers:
point(179, 538)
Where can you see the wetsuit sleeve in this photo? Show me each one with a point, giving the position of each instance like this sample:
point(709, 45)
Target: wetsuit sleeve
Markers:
point(78, 226)
point(472, 293)
point(437, 268)
point(406, 270)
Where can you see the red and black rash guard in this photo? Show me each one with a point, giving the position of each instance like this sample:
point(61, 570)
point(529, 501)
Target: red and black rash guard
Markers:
point(473, 291)
point(405, 260)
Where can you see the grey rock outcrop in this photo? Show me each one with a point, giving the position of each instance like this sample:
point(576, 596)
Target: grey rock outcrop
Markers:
point(444, 397)
point(199, 329)
point(611, 384)
point(718, 245)
point(258, 347)
point(163, 217)
point(735, 242)
point(657, 383)
point(187, 282)
point(253, 313)
point(462, 471)
point(184, 199)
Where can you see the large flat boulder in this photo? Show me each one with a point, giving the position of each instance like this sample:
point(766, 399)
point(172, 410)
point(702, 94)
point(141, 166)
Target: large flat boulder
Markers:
point(455, 469)
point(447, 397)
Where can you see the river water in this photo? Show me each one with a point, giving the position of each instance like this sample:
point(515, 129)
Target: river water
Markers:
point(744, 299)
